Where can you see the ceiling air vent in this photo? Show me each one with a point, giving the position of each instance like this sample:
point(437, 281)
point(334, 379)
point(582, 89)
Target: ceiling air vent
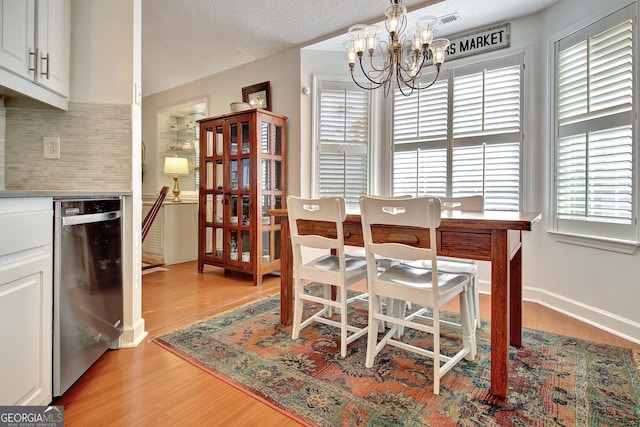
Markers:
point(452, 17)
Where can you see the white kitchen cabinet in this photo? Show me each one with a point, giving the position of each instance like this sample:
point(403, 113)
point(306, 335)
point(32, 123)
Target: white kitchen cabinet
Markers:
point(174, 233)
point(26, 300)
point(53, 44)
point(18, 36)
point(34, 49)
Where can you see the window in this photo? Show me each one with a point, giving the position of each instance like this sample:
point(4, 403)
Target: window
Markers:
point(595, 128)
point(342, 137)
point(462, 136)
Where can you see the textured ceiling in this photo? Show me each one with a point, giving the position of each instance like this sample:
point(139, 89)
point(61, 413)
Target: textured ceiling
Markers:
point(184, 40)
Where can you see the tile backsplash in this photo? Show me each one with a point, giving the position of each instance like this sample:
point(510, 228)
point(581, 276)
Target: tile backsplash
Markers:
point(95, 148)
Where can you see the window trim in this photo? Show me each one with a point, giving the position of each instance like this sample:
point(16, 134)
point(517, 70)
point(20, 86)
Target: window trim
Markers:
point(575, 238)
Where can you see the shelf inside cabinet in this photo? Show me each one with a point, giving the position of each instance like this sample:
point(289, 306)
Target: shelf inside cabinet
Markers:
point(178, 134)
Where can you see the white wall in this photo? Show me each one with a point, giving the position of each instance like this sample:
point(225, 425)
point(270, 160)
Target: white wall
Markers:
point(283, 73)
point(102, 51)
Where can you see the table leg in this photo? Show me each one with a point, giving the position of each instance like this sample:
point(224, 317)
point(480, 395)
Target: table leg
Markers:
point(286, 275)
point(499, 314)
point(515, 293)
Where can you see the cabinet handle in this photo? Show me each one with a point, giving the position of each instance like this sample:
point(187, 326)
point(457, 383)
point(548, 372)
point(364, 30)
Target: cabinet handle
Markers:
point(34, 54)
point(46, 58)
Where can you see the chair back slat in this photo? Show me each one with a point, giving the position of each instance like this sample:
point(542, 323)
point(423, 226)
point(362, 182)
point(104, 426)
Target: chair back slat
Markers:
point(376, 213)
point(329, 209)
point(418, 211)
point(464, 203)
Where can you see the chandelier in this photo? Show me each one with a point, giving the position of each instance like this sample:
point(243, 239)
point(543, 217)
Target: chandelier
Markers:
point(402, 56)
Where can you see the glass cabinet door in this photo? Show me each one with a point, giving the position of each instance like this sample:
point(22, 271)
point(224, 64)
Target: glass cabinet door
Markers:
point(271, 184)
point(238, 191)
point(212, 168)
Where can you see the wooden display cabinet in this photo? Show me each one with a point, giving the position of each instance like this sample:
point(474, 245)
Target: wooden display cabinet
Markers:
point(242, 176)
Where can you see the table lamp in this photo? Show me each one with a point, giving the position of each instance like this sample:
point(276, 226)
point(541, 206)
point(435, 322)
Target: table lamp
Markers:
point(176, 166)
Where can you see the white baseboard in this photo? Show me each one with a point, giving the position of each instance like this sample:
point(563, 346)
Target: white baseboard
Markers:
point(601, 319)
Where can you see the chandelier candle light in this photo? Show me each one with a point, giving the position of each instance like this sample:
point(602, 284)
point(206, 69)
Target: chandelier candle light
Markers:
point(176, 166)
point(403, 55)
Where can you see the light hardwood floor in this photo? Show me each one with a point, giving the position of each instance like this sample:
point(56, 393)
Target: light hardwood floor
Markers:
point(149, 386)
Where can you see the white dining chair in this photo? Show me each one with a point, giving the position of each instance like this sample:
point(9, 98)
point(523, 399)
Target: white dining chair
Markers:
point(456, 265)
point(330, 269)
point(402, 282)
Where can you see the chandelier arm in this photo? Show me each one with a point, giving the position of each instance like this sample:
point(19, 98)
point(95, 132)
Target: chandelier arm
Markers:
point(410, 85)
point(380, 83)
point(373, 67)
point(388, 53)
point(364, 87)
point(387, 89)
point(400, 80)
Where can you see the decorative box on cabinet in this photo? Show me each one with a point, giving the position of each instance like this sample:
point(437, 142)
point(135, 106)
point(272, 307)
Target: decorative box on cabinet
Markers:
point(26, 301)
point(34, 58)
point(173, 236)
point(242, 176)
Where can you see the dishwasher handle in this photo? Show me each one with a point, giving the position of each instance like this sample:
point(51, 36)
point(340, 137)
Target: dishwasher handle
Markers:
point(89, 218)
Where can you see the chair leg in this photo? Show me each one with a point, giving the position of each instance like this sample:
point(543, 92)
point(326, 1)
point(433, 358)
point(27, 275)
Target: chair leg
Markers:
point(436, 350)
point(399, 310)
point(381, 324)
point(476, 302)
point(297, 309)
point(468, 324)
point(328, 310)
point(372, 337)
point(343, 321)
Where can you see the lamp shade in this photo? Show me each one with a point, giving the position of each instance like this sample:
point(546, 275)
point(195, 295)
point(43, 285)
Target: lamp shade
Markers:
point(176, 165)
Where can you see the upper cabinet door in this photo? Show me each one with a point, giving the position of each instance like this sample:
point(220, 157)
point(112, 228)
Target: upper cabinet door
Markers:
point(17, 36)
point(35, 49)
point(52, 38)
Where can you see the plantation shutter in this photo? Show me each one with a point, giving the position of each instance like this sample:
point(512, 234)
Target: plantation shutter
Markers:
point(487, 136)
point(420, 140)
point(595, 119)
point(474, 114)
point(343, 137)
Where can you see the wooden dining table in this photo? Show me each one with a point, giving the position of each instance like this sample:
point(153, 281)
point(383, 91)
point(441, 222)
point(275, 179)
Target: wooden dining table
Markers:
point(494, 236)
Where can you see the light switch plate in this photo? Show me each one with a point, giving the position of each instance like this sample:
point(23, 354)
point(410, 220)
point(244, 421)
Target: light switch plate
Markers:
point(51, 147)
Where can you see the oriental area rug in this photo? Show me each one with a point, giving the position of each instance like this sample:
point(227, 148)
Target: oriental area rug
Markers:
point(553, 381)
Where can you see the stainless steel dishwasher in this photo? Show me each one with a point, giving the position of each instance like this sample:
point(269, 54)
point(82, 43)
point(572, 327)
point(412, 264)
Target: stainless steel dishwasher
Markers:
point(87, 294)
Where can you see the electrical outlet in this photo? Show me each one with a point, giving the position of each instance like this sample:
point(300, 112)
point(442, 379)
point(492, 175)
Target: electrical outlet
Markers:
point(51, 146)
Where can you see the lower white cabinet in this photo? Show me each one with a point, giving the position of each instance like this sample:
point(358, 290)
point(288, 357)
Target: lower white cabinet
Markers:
point(174, 233)
point(26, 300)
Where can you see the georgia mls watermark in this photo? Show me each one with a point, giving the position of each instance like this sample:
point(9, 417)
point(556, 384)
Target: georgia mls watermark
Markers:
point(31, 416)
